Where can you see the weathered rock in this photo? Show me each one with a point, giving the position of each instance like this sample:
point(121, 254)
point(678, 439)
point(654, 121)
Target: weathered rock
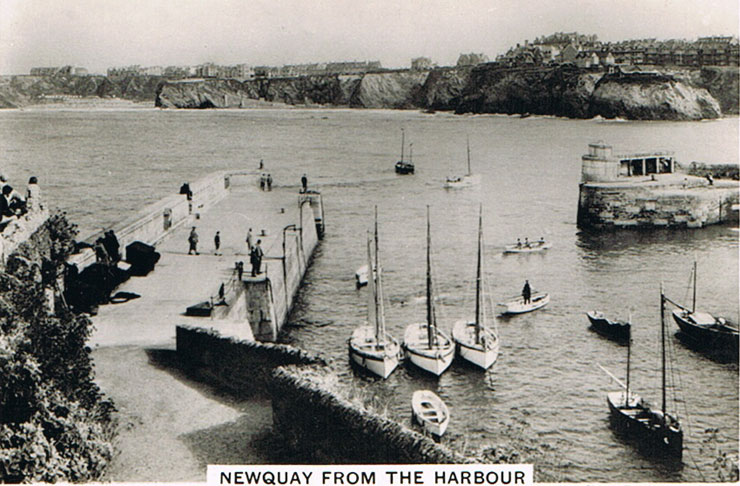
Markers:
point(443, 88)
point(650, 96)
point(388, 90)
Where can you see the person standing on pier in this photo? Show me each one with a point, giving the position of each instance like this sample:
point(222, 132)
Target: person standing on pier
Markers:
point(217, 242)
point(249, 241)
point(304, 183)
point(269, 182)
point(193, 240)
point(526, 292)
point(256, 258)
point(262, 165)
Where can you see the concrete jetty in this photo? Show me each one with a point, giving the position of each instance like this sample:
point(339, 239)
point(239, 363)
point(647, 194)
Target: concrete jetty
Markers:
point(170, 425)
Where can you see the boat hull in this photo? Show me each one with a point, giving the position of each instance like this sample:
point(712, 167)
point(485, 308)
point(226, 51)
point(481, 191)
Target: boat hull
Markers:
point(483, 354)
point(435, 359)
point(714, 336)
point(533, 248)
point(636, 420)
point(404, 168)
point(368, 354)
point(463, 181)
point(518, 306)
point(430, 412)
point(616, 330)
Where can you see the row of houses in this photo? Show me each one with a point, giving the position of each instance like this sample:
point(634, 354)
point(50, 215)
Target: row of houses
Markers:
point(587, 51)
point(59, 71)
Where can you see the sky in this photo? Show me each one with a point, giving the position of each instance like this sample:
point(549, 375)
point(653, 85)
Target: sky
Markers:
point(98, 34)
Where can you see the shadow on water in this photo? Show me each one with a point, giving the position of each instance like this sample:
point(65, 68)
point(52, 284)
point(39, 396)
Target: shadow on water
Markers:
point(680, 240)
point(718, 355)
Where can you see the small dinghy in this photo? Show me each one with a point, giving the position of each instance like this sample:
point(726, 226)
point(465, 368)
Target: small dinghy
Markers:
point(430, 412)
point(617, 330)
point(536, 246)
point(517, 305)
point(361, 276)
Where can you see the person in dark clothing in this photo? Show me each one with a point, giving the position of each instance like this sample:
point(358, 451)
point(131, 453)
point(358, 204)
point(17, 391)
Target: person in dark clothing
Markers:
point(256, 258)
point(217, 242)
point(112, 247)
point(193, 241)
point(304, 183)
point(239, 269)
point(526, 292)
point(5, 210)
point(269, 182)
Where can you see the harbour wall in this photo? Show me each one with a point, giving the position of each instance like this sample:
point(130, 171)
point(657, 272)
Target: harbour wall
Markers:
point(693, 204)
point(155, 221)
point(310, 413)
point(19, 230)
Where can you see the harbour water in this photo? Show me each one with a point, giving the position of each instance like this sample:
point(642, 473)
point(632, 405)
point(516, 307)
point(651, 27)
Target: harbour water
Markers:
point(545, 391)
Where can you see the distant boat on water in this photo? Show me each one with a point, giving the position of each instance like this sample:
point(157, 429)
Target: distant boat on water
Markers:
point(466, 180)
point(527, 247)
point(427, 346)
point(476, 341)
point(518, 306)
point(405, 166)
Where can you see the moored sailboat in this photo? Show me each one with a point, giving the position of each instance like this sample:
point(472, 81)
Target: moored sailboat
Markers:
point(427, 346)
point(466, 180)
point(657, 430)
point(404, 166)
point(713, 333)
point(476, 342)
point(371, 347)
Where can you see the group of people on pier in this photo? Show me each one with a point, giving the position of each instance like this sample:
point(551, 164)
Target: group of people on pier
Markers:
point(256, 253)
point(13, 204)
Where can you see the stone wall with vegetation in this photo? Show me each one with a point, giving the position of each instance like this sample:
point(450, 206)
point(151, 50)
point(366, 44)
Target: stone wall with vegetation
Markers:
point(318, 423)
point(55, 425)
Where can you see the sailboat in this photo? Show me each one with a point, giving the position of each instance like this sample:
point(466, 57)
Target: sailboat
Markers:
point(656, 429)
point(467, 180)
point(426, 346)
point(475, 341)
point(404, 166)
point(703, 328)
point(370, 346)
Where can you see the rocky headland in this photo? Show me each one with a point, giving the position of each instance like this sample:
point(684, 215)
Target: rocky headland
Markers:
point(563, 90)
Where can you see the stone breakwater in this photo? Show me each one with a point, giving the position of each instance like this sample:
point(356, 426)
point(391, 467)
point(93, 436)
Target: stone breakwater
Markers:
point(673, 200)
point(488, 88)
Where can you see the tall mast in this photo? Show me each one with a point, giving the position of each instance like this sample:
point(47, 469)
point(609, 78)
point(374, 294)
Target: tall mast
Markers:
point(411, 153)
point(403, 142)
point(629, 346)
point(478, 278)
point(372, 307)
point(469, 156)
point(693, 303)
point(662, 341)
point(379, 311)
point(431, 325)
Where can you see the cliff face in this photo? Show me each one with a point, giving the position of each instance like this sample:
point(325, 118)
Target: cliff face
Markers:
point(388, 90)
point(651, 97)
point(488, 88)
point(561, 91)
point(18, 91)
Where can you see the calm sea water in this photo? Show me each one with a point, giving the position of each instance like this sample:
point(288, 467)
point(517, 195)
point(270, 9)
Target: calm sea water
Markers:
point(545, 391)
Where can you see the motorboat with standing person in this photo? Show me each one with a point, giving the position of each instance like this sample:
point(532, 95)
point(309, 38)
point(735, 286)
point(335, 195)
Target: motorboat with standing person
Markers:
point(426, 345)
point(476, 342)
point(529, 301)
point(657, 431)
point(371, 347)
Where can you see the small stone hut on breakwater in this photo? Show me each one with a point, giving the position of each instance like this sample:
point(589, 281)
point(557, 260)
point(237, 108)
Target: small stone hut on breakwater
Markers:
point(645, 190)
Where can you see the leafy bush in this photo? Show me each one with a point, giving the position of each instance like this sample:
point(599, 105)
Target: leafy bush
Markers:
point(55, 424)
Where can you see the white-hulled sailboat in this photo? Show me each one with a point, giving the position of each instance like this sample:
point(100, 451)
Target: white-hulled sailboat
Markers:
point(370, 346)
point(467, 180)
point(475, 341)
point(426, 346)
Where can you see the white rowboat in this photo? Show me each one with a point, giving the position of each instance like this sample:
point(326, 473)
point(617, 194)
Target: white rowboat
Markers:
point(430, 412)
